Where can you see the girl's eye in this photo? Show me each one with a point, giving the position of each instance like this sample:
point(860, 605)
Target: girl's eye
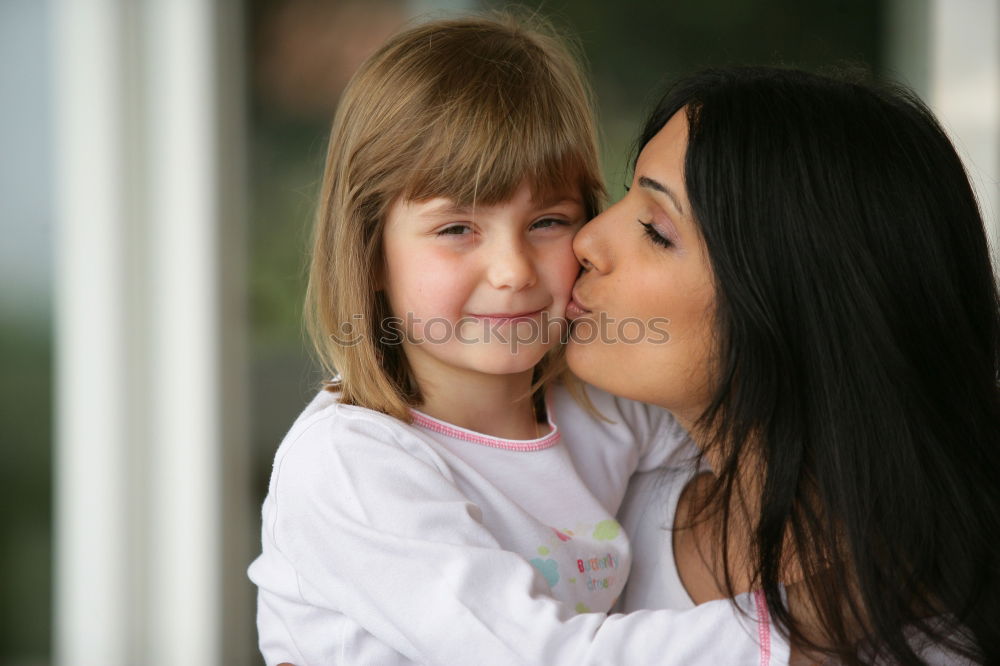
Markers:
point(455, 230)
point(655, 235)
point(548, 223)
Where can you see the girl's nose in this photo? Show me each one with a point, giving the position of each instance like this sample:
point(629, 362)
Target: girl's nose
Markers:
point(511, 267)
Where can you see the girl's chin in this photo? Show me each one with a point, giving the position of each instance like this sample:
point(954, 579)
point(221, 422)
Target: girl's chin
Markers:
point(507, 362)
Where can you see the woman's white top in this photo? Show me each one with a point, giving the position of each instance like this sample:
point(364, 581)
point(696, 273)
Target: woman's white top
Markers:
point(647, 514)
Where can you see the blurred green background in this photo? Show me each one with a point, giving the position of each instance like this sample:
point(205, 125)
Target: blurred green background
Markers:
point(299, 55)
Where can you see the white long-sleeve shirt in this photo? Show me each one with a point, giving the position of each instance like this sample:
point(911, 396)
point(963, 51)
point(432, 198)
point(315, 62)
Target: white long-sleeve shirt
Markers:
point(387, 543)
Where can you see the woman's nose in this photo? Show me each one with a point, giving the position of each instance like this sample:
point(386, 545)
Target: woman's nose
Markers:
point(511, 267)
point(590, 245)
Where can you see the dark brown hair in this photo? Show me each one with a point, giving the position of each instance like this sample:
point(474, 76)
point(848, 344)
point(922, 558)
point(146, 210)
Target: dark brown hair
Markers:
point(856, 408)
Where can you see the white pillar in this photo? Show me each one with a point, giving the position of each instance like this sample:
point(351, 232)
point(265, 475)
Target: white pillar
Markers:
point(94, 574)
point(151, 485)
point(949, 52)
point(964, 91)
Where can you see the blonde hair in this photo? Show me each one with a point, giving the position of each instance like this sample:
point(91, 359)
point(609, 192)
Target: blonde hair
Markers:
point(466, 109)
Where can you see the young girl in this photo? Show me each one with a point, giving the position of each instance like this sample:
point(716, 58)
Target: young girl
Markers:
point(445, 500)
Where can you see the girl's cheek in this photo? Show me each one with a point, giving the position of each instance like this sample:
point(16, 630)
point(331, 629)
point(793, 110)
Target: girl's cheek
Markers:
point(570, 267)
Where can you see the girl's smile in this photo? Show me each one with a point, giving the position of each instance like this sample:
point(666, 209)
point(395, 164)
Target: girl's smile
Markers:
point(513, 318)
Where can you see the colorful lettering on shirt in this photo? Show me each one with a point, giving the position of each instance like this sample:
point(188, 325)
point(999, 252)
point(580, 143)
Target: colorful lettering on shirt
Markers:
point(595, 584)
point(609, 561)
point(596, 573)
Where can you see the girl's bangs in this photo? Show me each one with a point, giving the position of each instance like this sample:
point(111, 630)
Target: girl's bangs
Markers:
point(486, 162)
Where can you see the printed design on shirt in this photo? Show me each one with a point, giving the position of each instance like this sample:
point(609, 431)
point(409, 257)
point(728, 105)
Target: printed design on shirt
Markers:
point(548, 568)
point(565, 559)
point(562, 535)
point(595, 566)
point(606, 530)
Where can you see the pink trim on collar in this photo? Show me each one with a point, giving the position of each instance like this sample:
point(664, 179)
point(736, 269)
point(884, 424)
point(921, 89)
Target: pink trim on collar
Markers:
point(763, 627)
point(433, 424)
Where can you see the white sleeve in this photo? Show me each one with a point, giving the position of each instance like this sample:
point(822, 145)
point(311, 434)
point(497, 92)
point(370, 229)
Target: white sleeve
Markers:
point(660, 438)
point(668, 443)
point(378, 533)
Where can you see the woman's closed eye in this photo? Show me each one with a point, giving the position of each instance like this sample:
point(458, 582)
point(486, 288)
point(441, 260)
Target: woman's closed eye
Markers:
point(655, 236)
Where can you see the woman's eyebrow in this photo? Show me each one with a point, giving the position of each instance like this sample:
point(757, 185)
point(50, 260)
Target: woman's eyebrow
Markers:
point(657, 186)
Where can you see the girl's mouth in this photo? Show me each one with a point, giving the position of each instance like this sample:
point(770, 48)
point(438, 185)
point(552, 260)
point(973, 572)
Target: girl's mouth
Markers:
point(504, 317)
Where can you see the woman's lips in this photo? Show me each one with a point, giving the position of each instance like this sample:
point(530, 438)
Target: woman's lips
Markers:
point(575, 308)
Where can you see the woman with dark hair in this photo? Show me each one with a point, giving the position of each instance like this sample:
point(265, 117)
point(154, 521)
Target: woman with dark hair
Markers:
point(833, 351)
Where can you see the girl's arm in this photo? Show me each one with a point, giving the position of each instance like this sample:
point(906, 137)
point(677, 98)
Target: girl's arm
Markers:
point(370, 548)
